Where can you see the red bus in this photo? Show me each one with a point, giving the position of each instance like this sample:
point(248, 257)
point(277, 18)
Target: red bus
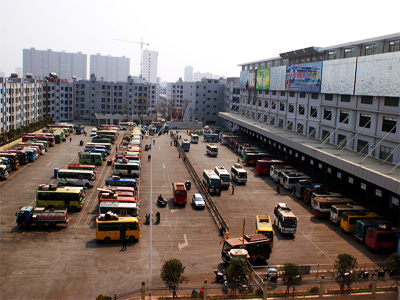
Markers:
point(40, 137)
point(263, 165)
point(120, 197)
point(252, 157)
point(83, 167)
point(118, 189)
point(318, 190)
point(179, 193)
point(382, 238)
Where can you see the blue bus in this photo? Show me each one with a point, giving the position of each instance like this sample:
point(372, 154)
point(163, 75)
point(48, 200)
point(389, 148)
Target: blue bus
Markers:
point(117, 181)
point(362, 225)
point(186, 145)
point(103, 152)
point(211, 137)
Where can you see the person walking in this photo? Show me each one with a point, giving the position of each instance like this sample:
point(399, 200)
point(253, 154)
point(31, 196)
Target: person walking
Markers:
point(238, 160)
point(278, 189)
point(70, 139)
point(233, 189)
point(124, 242)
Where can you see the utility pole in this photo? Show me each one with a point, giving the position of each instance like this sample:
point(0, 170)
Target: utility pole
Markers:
point(141, 52)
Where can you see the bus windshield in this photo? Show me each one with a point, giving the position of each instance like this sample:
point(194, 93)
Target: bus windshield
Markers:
point(289, 222)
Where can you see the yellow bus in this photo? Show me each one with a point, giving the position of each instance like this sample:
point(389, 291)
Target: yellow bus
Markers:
point(264, 226)
point(349, 219)
point(110, 227)
point(52, 196)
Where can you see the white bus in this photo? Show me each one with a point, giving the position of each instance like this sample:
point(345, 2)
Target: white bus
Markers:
point(275, 172)
point(289, 180)
point(194, 138)
point(127, 169)
point(338, 209)
point(126, 125)
point(127, 209)
point(238, 173)
point(76, 177)
point(212, 150)
point(212, 182)
point(107, 145)
point(223, 175)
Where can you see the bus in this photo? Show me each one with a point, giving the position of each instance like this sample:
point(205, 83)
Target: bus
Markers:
point(302, 185)
point(31, 146)
point(224, 175)
point(284, 219)
point(3, 172)
point(263, 165)
point(179, 193)
point(276, 172)
point(127, 169)
point(117, 189)
point(99, 139)
point(318, 189)
point(382, 238)
point(76, 177)
point(127, 209)
point(194, 138)
point(224, 137)
point(52, 196)
point(238, 174)
point(325, 194)
point(117, 181)
point(349, 219)
point(210, 137)
point(78, 166)
point(251, 158)
point(22, 156)
point(107, 146)
point(338, 209)
point(289, 180)
point(30, 153)
point(362, 225)
point(212, 150)
point(126, 125)
point(13, 158)
point(90, 158)
point(103, 152)
point(258, 247)
point(321, 207)
point(110, 227)
point(211, 182)
point(79, 129)
point(186, 145)
point(264, 226)
point(49, 138)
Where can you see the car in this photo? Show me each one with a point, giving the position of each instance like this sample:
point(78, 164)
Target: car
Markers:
point(93, 134)
point(198, 201)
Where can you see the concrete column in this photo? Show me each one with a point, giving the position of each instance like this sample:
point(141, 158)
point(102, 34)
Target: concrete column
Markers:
point(205, 290)
point(322, 287)
point(265, 289)
point(143, 291)
point(374, 283)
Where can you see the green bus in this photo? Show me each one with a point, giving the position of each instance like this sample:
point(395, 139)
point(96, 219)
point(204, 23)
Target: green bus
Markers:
point(98, 139)
point(90, 158)
point(51, 196)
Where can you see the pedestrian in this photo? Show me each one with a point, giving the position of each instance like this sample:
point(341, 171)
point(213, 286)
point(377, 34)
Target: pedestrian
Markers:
point(238, 160)
point(233, 189)
point(180, 137)
point(179, 155)
point(154, 141)
point(278, 189)
point(70, 139)
point(124, 244)
point(184, 159)
point(170, 143)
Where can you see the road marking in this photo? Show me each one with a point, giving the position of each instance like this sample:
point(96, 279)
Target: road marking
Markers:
point(180, 246)
point(174, 210)
point(49, 164)
point(163, 166)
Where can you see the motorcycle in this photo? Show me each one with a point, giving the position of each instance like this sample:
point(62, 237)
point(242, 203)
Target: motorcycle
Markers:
point(363, 274)
point(219, 276)
point(147, 221)
point(379, 272)
point(161, 201)
point(81, 143)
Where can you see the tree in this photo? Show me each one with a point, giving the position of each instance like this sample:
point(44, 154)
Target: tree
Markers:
point(172, 275)
point(291, 276)
point(344, 270)
point(392, 264)
point(237, 273)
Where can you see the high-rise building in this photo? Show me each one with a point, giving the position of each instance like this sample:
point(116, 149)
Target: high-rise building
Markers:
point(40, 63)
point(110, 68)
point(150, 59)
point(188, 76)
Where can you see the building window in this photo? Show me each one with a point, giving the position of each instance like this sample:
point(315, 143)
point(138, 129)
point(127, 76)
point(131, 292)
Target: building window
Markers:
point(274, 93)
point(314, 112)
point(291, 108)
point(341, 140)
point(302, 95)
point(371, 49)
point(300, 128)
point(272, 121)
point(394, 46)
point(283, 93)
point(311, 131)
point(265, 118)
point(314, 96)
point(344, 117)
point(329, 97)
point(331, 55)
point(385, 152)
point(345, 98)
point(391, 101)
point(366, 100)
point(327, 114)
point(266, 104)
point(282, 106)
point(290, 125)
point(362, 147)
point(348, 52)
point(280, 123)
point(389, 124)
point(291, 94)
point(325, 134)
point(301, 109)
point(365, 120)
point(273, 105)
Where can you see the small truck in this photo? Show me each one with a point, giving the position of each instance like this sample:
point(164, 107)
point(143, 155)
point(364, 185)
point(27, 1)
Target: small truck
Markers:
point(28, 215)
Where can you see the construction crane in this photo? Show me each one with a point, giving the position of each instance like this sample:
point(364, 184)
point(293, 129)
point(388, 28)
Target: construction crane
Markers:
point(141, 52)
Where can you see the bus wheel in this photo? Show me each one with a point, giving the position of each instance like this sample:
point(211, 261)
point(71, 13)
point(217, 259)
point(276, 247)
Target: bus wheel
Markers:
point(74, 208)
point(87, 185)
point(98, 164)
point(107, 239)
point(132, 239)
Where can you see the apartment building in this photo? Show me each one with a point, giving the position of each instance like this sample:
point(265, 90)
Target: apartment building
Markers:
point(110, 68)
point(57, 99)
point(150, 62)
point(188, 74)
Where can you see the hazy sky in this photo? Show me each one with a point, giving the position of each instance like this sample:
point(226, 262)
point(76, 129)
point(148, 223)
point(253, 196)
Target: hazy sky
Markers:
point(212, 36)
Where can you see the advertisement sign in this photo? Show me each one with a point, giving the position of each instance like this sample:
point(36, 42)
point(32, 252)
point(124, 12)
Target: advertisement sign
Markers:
point(262, 79)
point(251, 80)
point(304, 77)
point(243, 79)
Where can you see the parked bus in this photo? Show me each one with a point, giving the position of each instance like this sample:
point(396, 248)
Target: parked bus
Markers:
point(252, 157)
point(30, 146)
point(78, 166)
point(13, 158)
point(212, 150)
point(362, 225)
point(382, 238)
point(79, 129)
point(117, 181)
point(349, 219)
point(276, 171)
point(107, 146)
point(127, 169)
point(194, 138)
point(263, 165)
point(49, 138)
point(126, 125)
point(90, 158)
point(224, 137)
point(325, 194)
point(186, 145)
point(211, 137)
point(321, 207)
point(320, 190)
point(223, 174)
point(110, 227)
point(51, 196)
point(76, 177)
point(301, 186)
point(238, 174)
point(284, 219)
point(211, 182)
point(258, 247)
point(99, 139)
point(179, 193)
point(264, 226)
point(117, 189)
point(102, 152)
point(338, 209)
point(125, 197)
point(30, 153)
point(22, 156)
point(289, 180)
point(122, 209)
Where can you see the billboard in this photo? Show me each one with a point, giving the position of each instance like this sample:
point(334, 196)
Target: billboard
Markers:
point(251, 80)
point(304, 77)
point(262, 79)
point(243, 79)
